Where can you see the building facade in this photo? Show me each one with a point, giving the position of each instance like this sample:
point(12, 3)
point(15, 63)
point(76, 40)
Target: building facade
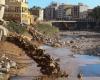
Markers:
point(17, 10)
point(63, 12)
point(50, 11)
point(38, 13)
point(79, 11)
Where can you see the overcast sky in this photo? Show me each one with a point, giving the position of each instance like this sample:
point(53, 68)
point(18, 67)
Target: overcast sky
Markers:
point(44, 3)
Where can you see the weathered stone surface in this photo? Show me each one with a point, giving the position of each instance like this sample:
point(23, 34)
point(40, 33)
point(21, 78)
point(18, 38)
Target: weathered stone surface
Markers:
point(3, 32)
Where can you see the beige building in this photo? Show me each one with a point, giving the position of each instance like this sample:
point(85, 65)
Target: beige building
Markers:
point(79, 11)
point(38, 13)
point(17, 10)
point(64, 12)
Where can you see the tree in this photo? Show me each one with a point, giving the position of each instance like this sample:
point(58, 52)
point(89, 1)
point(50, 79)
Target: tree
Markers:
point(16, 27)
point(96, 13)
point(35, 8)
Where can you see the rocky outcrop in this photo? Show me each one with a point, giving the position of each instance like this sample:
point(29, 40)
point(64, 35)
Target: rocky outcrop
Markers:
point(2, 6)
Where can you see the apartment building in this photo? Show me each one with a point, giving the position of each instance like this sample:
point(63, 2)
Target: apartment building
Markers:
point(38, 13)
point(64, 12)
point(79, 11)
point(50, 11)
point(17, 10)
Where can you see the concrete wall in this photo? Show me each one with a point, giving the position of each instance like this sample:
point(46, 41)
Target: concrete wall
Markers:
point(75, 25)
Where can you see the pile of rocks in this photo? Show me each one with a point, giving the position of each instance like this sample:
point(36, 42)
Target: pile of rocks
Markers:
point(36, 35)
point(47, 64)
point(6, 64)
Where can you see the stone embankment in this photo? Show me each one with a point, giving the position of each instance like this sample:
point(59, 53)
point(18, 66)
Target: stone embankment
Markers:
point(47, 64)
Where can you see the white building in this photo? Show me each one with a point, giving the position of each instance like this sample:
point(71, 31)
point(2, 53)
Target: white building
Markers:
point(79, 11)
point(41, 15)
point(63, 12)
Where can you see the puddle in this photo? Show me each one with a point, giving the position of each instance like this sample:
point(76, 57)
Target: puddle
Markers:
point(87, 58)
point(90, 70)
point(91, 65)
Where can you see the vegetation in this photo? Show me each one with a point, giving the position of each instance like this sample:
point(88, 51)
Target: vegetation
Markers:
point(16, 27)
point(96, 13)
point(47, 29)
point(35, 7)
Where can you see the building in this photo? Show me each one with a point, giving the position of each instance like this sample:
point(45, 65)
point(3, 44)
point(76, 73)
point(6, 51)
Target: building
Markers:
point(79, 11)
point(50, 11)
point(63, 12)
point(17, 10)
point(30, 18)
point(38, 13)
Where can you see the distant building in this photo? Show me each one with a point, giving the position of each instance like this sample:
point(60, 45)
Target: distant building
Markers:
point(88, 15)
point(39, 13)
point(17, 10)
point(79, 11)
point(50, 11)
point(64, 12)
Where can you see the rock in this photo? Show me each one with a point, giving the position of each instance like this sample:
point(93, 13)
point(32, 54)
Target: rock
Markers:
point(56, 45)
point(8, 66)
point(2, 6)
point(57, 59)
point(13, 64)
point(3, 33)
